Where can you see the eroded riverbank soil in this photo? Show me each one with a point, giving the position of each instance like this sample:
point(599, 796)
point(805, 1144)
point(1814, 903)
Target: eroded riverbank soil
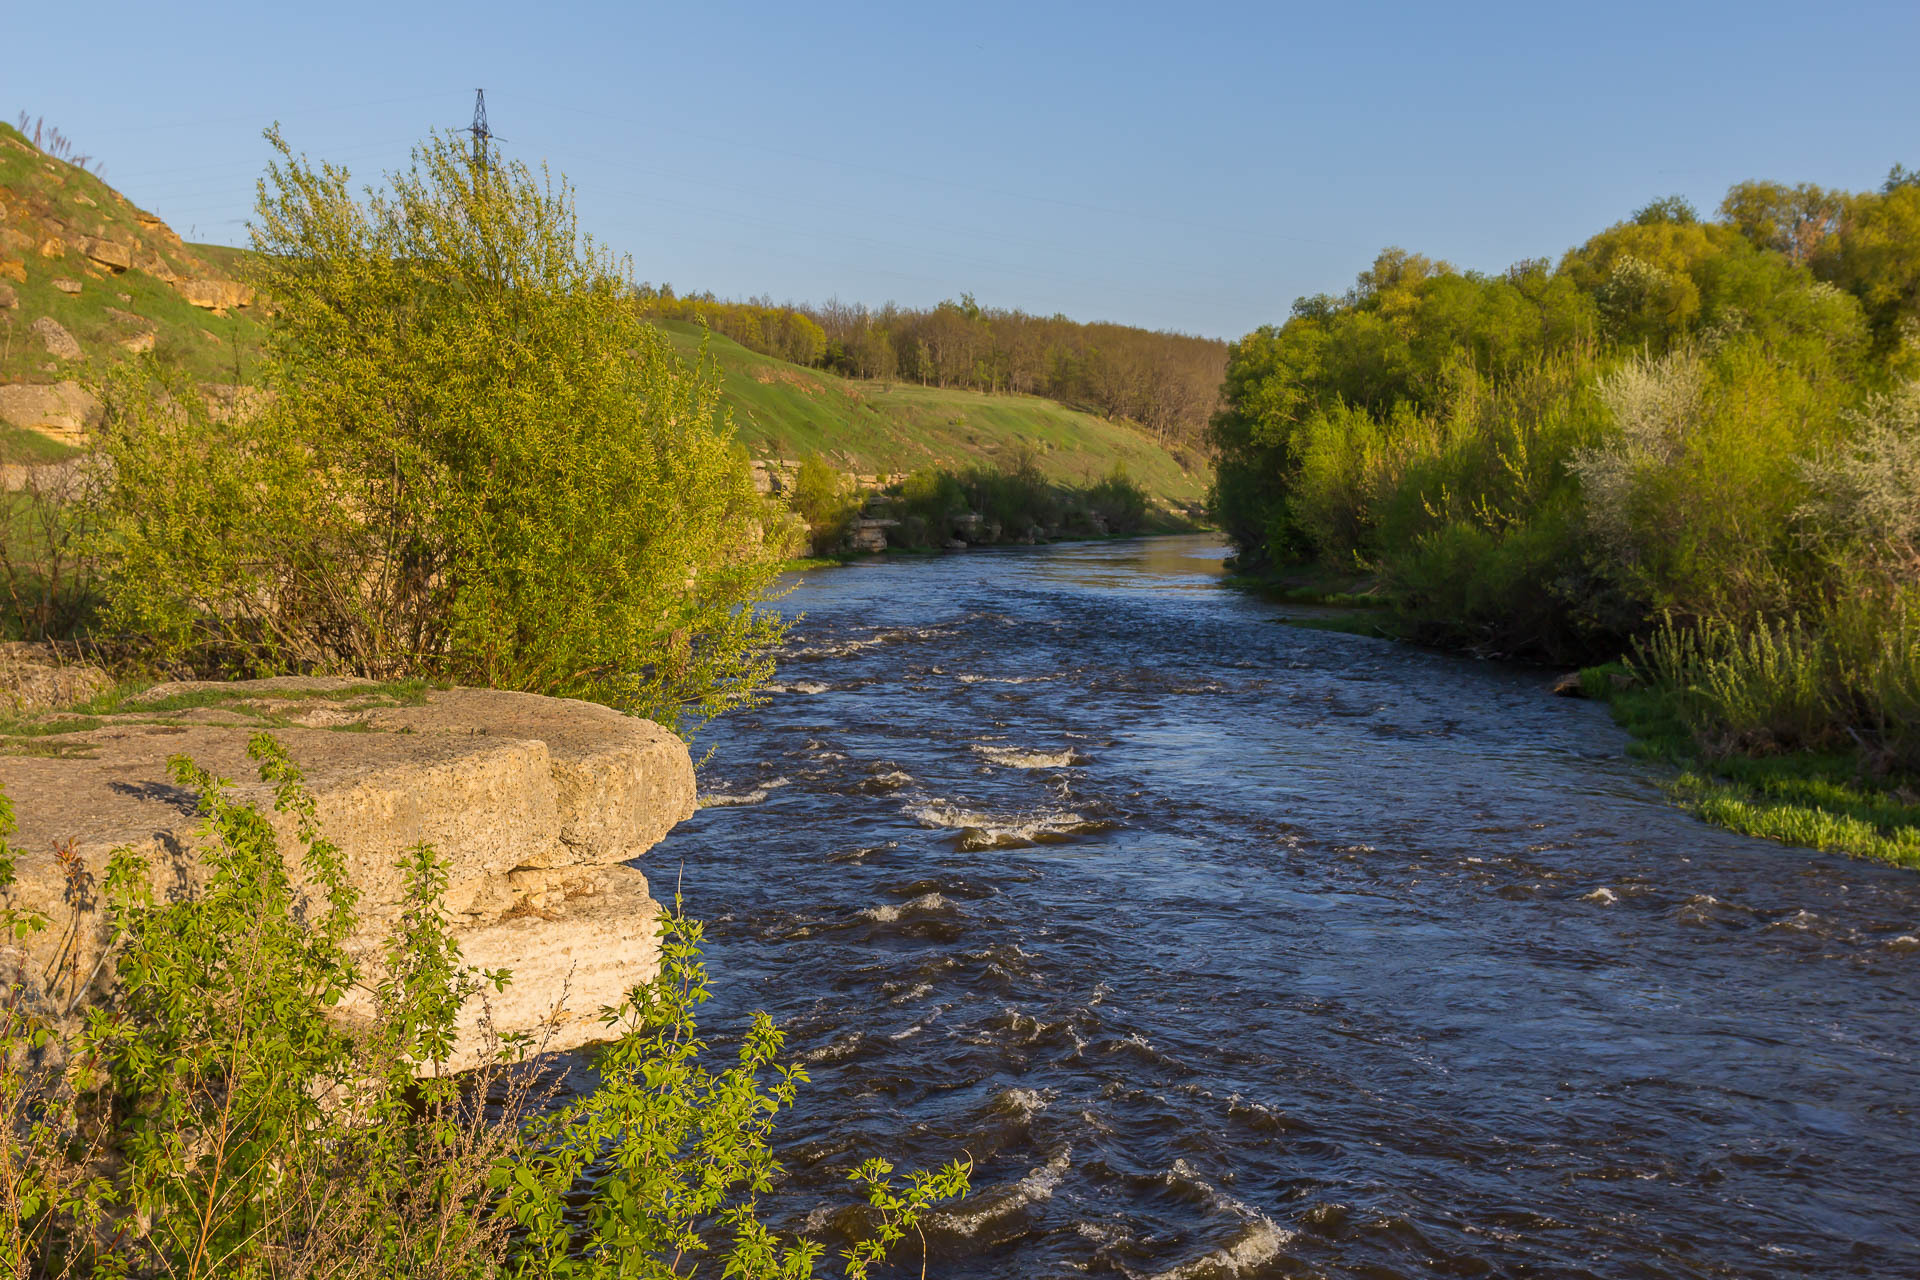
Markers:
point(1231, 948)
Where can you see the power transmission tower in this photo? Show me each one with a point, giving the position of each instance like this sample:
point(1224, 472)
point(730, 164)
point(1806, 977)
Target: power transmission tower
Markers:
point(481, 134)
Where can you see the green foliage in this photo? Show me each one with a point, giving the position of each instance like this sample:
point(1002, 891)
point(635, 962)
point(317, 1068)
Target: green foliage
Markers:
point(1823, 824)
point(1850, 681)
point(595, 1193)
point(1875, 256)
point(984, 505)
point(823, 499)
point(46, 528)
point(219, 1116)
point(474, 462)
point(1712, 422)
point(933, 498)
point(1017, 498)
point(1117, 502)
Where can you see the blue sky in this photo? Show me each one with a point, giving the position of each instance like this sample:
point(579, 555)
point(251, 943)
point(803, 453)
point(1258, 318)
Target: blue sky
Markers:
point(1193, 167)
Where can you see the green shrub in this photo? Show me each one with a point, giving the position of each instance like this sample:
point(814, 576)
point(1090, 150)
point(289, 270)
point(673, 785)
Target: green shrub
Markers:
point(1120, 504)
point(46, 569)
point(1849, 679)
point(474, 461)
point(1758, 690)
point(822, 498)
point(1018, 498)
point(219, 1118)
point(929, 501)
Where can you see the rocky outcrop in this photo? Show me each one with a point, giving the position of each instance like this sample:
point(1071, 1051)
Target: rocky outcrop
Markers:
point(54, 336)
point(114, 257)
point(870, 534)
point(63, 410)
point(214, 295)
point(38, 677)
point(537, 806)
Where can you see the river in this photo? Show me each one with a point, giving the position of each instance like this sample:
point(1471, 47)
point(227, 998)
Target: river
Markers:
point(1229, 948)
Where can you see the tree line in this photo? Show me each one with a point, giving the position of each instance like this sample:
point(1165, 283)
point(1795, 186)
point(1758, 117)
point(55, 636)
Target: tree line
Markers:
point(1166, 383)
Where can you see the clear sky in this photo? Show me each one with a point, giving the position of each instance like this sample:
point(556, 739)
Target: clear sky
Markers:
point(1187, 166)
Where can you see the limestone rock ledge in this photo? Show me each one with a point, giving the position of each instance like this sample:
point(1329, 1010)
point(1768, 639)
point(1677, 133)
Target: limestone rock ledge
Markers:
point(535, 804)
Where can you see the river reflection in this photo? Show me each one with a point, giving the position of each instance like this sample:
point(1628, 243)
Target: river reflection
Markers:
point(1230, 948)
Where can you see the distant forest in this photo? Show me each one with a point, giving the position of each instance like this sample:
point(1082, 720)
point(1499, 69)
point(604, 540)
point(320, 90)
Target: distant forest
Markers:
point(1166, 383)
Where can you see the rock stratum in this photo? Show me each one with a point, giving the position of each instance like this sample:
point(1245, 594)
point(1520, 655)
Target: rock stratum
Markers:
point(537, 806)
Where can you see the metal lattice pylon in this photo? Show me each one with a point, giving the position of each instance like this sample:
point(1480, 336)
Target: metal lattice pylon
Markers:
point(482, 135)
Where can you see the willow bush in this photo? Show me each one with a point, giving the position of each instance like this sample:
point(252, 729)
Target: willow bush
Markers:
point(471, 459)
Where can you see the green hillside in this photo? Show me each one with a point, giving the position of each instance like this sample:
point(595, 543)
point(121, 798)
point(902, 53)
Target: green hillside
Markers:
point(783, 410)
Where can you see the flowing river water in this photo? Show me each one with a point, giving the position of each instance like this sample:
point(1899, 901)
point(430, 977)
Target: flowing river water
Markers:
point(1229, 948)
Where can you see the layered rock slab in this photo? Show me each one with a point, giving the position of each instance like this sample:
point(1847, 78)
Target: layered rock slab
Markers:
point(535, 805)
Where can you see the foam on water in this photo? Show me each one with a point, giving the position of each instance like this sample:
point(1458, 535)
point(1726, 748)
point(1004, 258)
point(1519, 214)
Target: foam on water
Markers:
point(887, 780)
point(1023, 1104)
point(1254, 1245)
point(993, 1208)
point(980, 830)
point(1258, 1242)
point(1015, 758)
point(889, 912)
point(731, 799)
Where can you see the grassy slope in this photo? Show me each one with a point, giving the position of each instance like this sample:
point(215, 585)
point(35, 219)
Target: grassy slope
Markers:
point(782, 410)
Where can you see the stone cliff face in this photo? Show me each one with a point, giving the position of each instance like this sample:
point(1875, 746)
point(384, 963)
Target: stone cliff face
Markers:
point(537, 806)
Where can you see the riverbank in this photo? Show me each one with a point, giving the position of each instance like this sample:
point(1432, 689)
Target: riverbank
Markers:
point(840, 559)
point(1825, 800)
point(1818, 800)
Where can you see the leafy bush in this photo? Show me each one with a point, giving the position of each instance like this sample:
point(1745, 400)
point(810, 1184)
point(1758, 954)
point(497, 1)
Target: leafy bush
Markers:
point(822, 499)
point(473, 461)
point(1848, 679)
point(932, 499)
point(1120, 504)
point(219, 1117)
point(1866, 491)
point(45, 533)
point(1018, 498)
